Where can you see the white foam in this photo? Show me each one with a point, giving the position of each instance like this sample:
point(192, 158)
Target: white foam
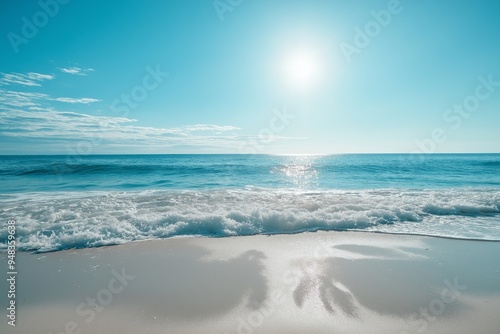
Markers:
point(86, 219)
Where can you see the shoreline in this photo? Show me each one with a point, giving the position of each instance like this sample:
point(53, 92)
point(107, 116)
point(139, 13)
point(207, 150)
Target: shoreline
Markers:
point(116, 218)
point(409, 234)
point(313, 281)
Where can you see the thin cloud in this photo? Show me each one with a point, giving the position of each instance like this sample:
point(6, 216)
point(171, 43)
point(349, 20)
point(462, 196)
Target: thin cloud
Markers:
point(109, 131)
point(28, 79)
point(28, 115)
point(210, 127)
point(21, 99)
point(84, 100)
point(76, 70)
point(29, 99)
point(70, 125)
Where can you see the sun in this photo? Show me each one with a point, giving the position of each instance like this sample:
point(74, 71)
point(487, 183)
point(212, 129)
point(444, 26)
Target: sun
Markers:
point(301, 69)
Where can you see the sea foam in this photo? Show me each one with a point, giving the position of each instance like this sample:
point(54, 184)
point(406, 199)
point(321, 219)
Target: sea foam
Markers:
point(56, 221)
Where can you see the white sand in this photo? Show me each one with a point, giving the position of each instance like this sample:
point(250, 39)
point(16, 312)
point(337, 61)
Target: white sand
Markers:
point(325, 282)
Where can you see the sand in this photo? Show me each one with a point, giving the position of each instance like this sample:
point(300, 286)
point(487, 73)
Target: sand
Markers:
point(324, 282)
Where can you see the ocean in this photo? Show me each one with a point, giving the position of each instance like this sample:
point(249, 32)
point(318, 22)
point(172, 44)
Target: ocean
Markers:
point(68, 201)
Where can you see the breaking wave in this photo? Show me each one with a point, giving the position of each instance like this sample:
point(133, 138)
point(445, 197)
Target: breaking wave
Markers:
point(57, 221)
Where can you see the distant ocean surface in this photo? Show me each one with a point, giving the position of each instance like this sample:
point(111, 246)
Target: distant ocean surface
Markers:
point(62, 202)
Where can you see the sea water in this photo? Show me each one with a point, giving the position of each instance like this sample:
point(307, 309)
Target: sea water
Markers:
point(68, 201)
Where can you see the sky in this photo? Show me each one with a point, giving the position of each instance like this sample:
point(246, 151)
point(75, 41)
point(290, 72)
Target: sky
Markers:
point(249, 76)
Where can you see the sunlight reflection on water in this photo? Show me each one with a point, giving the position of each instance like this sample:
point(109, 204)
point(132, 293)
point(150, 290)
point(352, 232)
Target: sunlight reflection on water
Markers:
point(300, 170)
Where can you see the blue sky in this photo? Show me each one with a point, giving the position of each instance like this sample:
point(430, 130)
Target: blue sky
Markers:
point(257, 76)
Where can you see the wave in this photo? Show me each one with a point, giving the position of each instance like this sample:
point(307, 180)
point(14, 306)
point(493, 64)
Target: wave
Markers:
point(57, 221)
point(490, 163)
point(62, 168)
point(67, 168)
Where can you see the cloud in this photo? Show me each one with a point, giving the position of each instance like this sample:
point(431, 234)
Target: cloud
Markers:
point(84, 100)
point(75, 126)
point(76, 70)
point(28, 79)
point(36, 100)
point(209, 127)
point(102, 133)
point(32, 115)
point(21, 99)
point(25, 116)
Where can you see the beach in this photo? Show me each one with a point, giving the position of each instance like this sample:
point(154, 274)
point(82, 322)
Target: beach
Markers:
point(251, 244)
point(247, 167)
point(322, 282)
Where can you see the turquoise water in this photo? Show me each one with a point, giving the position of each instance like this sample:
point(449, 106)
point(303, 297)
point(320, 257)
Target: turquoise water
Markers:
point(69, 201)
point(134, 172)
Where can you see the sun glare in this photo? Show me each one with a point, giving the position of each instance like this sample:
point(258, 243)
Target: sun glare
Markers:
point(301, 69)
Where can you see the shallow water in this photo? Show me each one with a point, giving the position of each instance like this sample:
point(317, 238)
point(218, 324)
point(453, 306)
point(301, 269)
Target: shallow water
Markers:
point(62, 202)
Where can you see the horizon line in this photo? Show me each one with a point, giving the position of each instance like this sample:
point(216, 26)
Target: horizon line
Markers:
point(270, 154)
